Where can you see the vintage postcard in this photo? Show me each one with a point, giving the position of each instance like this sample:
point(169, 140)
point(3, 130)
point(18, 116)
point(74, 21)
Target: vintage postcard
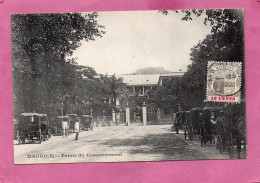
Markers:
point(129, 86)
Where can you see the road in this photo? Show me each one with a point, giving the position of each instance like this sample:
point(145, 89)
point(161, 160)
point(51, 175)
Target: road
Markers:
point(116, 143)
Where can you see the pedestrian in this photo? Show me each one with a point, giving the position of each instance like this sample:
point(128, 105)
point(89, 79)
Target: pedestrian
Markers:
point(65, 126)
point(76, 129)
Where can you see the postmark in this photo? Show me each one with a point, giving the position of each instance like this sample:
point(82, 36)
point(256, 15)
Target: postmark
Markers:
point(223, 81)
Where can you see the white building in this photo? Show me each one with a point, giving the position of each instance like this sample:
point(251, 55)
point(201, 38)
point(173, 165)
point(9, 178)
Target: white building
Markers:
point(141, 84)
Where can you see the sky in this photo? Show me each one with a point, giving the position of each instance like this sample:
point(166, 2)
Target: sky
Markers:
point(140, 39)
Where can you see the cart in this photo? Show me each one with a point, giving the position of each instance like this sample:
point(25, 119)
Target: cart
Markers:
point(86, 121)
point(194, 124)
point(209, 129)
point(33, 127)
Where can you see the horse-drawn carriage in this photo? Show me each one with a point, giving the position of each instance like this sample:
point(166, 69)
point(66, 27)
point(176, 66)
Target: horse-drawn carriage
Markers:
point(85, 122)
point(209, 126)
point(177, 122)
point(231, 129)
point(180, 120)
point(194, 122)
point(33, 126)
point(185, 123)
point(226, 124)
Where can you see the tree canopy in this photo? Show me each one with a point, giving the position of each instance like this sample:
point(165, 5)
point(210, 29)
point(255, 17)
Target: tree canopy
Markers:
point(225, 43)
point(43, 79)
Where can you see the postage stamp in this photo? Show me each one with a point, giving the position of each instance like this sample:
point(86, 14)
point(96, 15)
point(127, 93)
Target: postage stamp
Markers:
point(223, 81)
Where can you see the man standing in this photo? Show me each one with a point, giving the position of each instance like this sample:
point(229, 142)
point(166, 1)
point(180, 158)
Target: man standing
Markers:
point(65, 127)
point(76, 129)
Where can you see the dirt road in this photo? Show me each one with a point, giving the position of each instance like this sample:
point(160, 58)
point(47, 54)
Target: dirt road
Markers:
point(115, 143)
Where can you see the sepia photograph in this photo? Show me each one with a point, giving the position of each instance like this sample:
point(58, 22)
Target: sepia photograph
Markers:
point(128, 86)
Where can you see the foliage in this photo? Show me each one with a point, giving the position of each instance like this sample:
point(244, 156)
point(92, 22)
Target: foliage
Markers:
point(43, 79)
point(225, 43)
point(100, 95)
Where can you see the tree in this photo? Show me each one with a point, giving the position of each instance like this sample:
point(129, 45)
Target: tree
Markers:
point(40, 44)
point(117, 88)
point(225, 43)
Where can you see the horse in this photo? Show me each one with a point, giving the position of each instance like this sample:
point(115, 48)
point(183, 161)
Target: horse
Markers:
point(231, 129)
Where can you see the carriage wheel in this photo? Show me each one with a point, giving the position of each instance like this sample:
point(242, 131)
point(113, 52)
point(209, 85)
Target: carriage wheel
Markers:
point(49, 134)
point(191, 135)
point(188, 133)
point(46, 136)
point(213, 139)
point(19, 140)
point(40, 136)
point(18, 137)
point(185, 133)
point(231, 146)
point(201, 138)
point(176, 129)
point(245, 146)
point(67, 132)
point(220, 144)
point(231, 151)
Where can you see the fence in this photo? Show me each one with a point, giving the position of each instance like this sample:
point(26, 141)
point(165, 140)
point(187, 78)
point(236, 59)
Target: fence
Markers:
point(166, 119)
point(103, 121)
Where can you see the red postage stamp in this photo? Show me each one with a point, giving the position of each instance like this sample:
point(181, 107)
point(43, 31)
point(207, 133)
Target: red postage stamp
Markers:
point(223, 81)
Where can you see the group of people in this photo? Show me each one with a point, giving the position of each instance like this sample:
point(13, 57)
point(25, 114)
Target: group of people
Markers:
point(65, 128)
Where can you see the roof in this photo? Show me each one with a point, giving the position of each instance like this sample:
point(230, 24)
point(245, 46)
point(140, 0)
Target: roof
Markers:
point(182, 112)
point(42, 115)
point(146, 79)
point(134, 80)
point(213, 108)
point(86, 116)
point(172, 74)
point(196, 109)
point(30, 114)
point(33, 114)
point(62, 117)
point(72, 115)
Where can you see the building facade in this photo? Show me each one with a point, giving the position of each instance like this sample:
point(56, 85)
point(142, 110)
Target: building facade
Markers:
point(139, 86)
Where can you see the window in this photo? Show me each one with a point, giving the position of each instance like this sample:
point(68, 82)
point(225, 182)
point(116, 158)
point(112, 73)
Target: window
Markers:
point(139, 90)
point(130, 90)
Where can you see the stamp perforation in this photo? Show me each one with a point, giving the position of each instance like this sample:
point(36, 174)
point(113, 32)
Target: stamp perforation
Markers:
point(214, 96)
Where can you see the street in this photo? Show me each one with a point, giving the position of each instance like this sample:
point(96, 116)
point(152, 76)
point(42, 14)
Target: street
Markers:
point(115, 144)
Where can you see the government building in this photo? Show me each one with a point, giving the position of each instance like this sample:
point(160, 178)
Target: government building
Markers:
point(140, 87)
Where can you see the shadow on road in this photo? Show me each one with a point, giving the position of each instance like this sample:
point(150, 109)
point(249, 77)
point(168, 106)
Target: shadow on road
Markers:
point(165, 144)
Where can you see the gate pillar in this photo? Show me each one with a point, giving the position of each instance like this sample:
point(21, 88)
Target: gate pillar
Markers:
point(158, 115)
point(144, 111)
point(127, 115)
point(113, 116)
